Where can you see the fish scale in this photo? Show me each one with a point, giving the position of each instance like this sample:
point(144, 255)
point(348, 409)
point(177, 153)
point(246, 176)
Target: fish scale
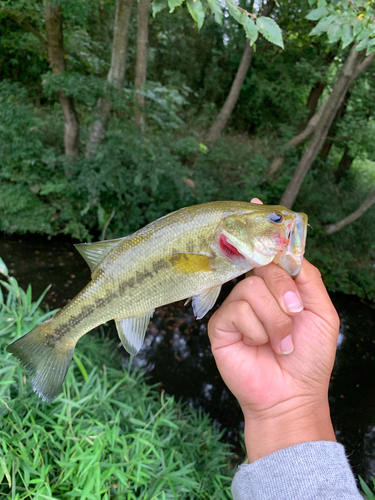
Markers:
point(187, 254)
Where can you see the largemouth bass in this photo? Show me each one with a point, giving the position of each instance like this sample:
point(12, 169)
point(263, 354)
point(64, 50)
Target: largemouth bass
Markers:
point(187, 254)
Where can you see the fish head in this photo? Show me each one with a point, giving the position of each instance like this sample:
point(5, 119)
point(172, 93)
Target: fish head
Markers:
point(267, 233)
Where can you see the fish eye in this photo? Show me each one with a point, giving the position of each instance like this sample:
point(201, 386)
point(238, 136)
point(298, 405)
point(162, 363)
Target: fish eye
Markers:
point(275, 217)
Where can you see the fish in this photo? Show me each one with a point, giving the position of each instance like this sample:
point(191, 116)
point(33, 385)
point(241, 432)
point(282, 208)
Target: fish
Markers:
point(187, 254)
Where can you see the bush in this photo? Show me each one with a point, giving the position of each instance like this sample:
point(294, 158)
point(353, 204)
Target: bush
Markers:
point(107, 435)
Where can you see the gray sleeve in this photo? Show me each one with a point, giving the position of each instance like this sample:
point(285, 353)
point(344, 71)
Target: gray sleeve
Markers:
point(308, 471)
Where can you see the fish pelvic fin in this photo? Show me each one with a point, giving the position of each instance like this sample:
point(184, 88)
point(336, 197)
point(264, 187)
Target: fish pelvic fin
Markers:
point(46, 361)
point(132, 331)
point(205, 301)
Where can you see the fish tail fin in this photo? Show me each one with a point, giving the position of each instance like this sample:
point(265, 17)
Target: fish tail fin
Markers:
point(45, 359)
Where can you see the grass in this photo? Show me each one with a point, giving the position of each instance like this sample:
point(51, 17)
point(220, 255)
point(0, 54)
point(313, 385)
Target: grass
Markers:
point(108, 435)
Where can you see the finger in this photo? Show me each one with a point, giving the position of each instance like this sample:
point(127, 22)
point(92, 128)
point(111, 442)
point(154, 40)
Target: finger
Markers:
point(314, 294)
point(283, 288)
point(257, 200)
point(276, 322)
point(235, 322)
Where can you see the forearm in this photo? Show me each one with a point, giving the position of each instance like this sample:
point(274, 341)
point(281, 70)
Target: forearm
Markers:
point(289, 424)
point(308, 471)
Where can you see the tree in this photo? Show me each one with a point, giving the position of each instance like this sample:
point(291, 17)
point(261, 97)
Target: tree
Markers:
point(116, 75)
point(56, 57)
point(234, 93)
point(359, 58)
point(141, 64)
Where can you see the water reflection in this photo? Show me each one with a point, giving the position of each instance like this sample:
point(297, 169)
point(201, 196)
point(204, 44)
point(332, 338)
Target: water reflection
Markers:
point(352, 390)
point(177, 351)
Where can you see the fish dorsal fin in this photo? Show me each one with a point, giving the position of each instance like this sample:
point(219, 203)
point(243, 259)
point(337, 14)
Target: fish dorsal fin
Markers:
point(94, 253)
point(132, 331)
point(205, 301)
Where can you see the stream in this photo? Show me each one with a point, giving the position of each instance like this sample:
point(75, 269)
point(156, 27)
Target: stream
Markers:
point(177, 355)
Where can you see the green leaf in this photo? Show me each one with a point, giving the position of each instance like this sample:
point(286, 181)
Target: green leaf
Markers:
point(81, 367)
point(197, 12)
point(321, 27)
point(369, 494)
point(317, 14)
point(3, 268)
point(362, 45)
point(174, 3)
point(347, 35)
point(270, 30)
point(216, 10)
point(157, 6)
point(334, 33)
point(251, 29)
point(235, 12)
point(370, 46)
point(357, 27)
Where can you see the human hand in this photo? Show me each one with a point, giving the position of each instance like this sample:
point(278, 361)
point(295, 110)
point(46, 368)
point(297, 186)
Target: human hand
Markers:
point(284, 397)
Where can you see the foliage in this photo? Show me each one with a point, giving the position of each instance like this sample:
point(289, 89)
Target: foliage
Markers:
point(136, 177)
point(345, 21)
point(107, 435)
point(252, 24)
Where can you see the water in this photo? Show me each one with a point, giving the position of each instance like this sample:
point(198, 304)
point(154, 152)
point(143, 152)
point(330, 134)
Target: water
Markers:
point(177, 353)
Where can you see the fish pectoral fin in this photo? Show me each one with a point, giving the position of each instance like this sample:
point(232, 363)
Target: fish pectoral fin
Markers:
point(189, 263)
point(132, 331)
point(205, 301)
point(94, 253)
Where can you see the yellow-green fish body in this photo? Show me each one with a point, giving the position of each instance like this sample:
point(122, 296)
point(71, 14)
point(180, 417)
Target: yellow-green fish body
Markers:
point(187, 254)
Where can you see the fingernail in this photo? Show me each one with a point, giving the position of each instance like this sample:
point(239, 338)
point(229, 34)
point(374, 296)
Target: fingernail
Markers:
point(292, 302)
point(286, 345)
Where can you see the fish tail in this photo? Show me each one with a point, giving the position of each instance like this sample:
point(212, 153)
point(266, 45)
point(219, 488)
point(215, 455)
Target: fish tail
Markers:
point(46, 359)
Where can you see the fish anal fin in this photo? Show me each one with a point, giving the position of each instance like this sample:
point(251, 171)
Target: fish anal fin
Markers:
point(95, 253)
point(132, 331)
point(189, 263)
point(205, 301)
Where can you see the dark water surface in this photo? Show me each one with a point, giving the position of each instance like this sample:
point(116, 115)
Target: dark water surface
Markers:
point(177, 352)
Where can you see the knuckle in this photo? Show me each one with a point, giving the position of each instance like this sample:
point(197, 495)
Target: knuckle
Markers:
point(282, 324)
point(278, 276)
point(241, 308)
point(316, 274)
point(251, 283)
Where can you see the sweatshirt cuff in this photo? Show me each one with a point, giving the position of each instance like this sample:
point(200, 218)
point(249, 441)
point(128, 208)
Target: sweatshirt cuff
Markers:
point(313, 470)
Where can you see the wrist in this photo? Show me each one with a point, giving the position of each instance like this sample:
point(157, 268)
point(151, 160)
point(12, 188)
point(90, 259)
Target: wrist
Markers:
point(285, 425)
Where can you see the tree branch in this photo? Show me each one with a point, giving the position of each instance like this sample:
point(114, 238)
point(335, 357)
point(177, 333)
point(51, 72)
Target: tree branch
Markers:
point(333, 228)
point(27, 26)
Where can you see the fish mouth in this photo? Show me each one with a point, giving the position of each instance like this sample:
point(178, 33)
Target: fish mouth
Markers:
point(291, 257)
point(297, 238)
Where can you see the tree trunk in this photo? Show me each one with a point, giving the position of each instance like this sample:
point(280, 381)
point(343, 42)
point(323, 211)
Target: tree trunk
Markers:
point(331, 107)
point(234, 93)
point(312, 104)
point(232, 97)
point(56, 57)
point(116, 75)
point(333, 228)
point(315, 94)
point(141, 64)
point(298, 139)
point(344, 165)
point(313, 122)
point(327, 146)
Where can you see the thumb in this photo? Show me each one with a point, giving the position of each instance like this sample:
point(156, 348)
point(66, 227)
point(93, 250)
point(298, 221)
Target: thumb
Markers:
point(314, 294)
